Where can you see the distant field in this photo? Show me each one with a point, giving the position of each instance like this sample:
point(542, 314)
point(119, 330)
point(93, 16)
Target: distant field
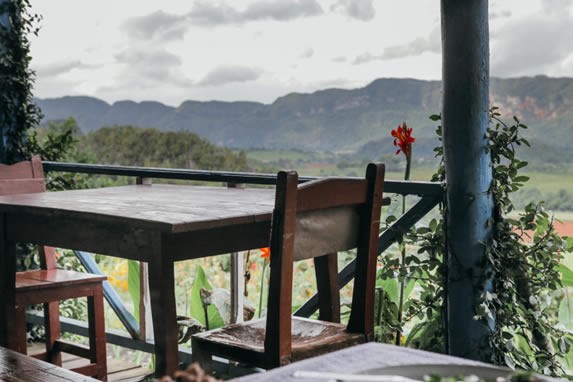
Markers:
point(554, 186)
point(565, 216)
point(550, 182)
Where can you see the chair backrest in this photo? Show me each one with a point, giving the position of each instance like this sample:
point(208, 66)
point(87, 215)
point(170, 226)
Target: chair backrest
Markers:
point(315, 219)
point(22, 177)
point(25, 178)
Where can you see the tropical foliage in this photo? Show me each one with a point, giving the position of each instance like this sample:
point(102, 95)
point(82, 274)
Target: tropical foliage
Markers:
point(18, 113)
point(524, 262)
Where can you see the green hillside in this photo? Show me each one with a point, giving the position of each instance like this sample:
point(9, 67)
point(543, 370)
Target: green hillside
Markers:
point(353, 122)
point(133, 146)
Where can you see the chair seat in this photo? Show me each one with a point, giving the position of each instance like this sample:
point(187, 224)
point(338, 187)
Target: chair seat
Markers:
point(53, 278)
point(309, 338)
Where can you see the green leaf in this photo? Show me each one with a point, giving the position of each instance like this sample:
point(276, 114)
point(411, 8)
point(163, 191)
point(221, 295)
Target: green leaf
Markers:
point(133, 285)
point(569, 243)
point(391, 287)
point(566, 275)
point(521, 179)
point(196, 306)
point(521, 164)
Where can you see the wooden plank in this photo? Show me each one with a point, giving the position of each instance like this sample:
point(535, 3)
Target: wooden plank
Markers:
point(167, 208)
point(41, 279)
point(316, 195)
point(38, 296)
point(209, 242)
point(358, 359)
point(118, 370)
point(19, 367)
point(80, 233)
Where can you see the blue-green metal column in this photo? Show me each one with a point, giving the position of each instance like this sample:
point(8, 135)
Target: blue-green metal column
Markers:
point(465, 117)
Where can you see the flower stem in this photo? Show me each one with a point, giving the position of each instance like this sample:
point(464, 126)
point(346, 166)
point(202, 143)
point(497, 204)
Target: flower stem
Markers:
point(403, 256)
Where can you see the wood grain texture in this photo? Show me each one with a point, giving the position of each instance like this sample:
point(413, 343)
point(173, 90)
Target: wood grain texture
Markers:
point(357, 359)
point(158, 224)
point(309, 338)
point(166, 208)
point(326, 269)
point(18, 367)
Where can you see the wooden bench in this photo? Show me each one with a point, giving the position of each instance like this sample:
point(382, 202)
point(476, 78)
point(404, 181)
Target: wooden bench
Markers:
point(16, 367)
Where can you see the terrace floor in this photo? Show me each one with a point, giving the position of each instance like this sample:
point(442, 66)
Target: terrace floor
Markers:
point(117, 370)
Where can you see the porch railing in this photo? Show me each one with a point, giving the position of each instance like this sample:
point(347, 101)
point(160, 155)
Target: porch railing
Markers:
point(430, 195)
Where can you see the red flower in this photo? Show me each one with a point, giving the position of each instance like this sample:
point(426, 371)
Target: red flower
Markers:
point(403, 139)
point(265, 253)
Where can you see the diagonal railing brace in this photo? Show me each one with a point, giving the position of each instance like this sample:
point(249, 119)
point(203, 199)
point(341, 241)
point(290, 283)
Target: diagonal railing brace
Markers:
point(388, 237)
point(111, 296)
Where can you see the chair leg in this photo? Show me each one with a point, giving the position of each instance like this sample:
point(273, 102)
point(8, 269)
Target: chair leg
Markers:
point(20, 332)
point(53, 332)
point(203, 358)
point(97, 339)
point(326, 269)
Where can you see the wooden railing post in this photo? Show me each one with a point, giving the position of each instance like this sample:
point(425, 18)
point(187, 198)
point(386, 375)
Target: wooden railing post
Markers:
point(145, 319)
point(143, 180)
point(237, 271)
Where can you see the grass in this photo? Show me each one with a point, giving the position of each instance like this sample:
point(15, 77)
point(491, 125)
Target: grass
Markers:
point(550, 182)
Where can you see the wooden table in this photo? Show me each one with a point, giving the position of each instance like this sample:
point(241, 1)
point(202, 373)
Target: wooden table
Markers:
point(358, 359)
point(16, 367)
point(157, 224)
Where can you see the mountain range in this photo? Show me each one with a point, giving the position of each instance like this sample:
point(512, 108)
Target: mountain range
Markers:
point(337, 120)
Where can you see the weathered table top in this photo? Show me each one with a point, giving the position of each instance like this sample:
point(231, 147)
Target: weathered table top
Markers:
point(158, 224)
point(16, 367)
point(166, 208)
point(358, 359)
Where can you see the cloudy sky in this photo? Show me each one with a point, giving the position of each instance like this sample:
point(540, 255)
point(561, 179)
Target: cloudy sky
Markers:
point(258, 50)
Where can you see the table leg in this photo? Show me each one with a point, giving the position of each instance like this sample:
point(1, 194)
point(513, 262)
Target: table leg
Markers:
point(163, 310)
point(8, 328)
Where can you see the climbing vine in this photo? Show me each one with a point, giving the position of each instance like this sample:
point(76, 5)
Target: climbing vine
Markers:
point(524, 262)
point(18, 113)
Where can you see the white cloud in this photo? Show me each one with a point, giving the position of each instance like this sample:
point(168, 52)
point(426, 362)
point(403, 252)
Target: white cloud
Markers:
point(210, 13)
point(156, 25)
point(358, 9)
point(307, 53)
point(539, 43)
point(144, 50)
point(227, 74)
point(63, 67)
point(431, 43)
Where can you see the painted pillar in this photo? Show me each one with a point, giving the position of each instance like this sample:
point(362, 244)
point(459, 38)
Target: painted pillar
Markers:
point(465, 117)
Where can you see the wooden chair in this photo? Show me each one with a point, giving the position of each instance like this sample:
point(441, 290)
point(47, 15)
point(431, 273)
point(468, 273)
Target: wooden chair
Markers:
point(49, 285)
point(313, 220)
